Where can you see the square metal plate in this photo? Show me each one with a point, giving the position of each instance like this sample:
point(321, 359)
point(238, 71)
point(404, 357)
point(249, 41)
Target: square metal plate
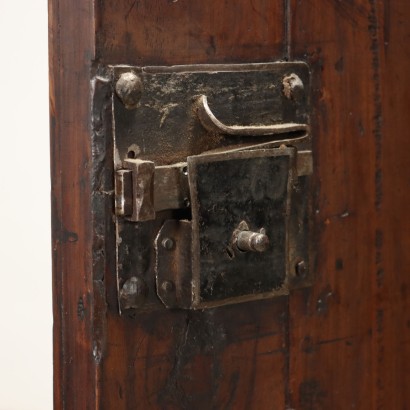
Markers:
point(228, 189)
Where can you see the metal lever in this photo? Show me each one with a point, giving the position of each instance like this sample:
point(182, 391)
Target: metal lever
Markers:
point(211, 123)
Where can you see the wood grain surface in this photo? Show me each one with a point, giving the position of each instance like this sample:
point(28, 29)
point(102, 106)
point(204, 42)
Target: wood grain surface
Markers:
point(343, 343)
point(71, 54)
point(332, 323)
point(167, 32)
point(349, 333)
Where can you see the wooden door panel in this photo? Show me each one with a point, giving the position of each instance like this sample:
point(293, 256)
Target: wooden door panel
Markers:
point(190, 32)
point(347, 324)
point(343, 342)
point(332, 323)
point(391, 346)
point(211, 359)
point(70, 56)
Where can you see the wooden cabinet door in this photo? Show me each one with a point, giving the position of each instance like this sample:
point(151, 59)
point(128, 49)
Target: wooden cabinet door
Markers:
point(343, 342)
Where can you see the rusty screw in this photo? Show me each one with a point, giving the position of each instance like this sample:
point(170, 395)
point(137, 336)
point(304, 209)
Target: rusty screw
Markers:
point(167, 243)
point(301, 269)
point(167, 286)
point(292, 86)
point(129, 89)
point(133, 293)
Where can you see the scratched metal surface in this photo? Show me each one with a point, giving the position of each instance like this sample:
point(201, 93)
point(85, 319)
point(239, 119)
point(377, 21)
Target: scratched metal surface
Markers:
point(164, 128)
point(251, 186)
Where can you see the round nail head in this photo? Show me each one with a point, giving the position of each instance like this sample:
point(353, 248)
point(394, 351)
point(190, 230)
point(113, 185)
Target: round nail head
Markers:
point(129, 89)
point(167, 243)
point(167, 286)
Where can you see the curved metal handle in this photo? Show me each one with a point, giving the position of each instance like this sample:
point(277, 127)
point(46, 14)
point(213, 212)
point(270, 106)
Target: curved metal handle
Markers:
point(211, 123)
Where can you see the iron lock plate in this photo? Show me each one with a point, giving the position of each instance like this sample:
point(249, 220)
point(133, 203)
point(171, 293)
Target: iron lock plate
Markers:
point(202, 154)
point(231, 192)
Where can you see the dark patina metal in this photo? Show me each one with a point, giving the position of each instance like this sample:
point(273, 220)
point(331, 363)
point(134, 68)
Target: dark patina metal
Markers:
point(252, 186)
point(212, 182)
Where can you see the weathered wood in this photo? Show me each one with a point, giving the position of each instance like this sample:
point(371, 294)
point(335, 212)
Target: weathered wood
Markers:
point(214, 359)
point(168, 32)
point(348, 333)
point(343, 343)
point(71, 54)
point(391, 270)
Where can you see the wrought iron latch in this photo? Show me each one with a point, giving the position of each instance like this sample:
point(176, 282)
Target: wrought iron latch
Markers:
point(212, 186)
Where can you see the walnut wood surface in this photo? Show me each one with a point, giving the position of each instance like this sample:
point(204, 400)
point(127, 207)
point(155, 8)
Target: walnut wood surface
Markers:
point(349, 333)
point(332, 323)
point(71, 53)
point(344, 342)
point(167, 32)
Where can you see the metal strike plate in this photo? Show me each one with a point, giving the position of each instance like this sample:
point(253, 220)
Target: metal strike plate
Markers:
point(212, 183)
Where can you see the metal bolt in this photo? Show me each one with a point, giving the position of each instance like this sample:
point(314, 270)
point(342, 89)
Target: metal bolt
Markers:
point(129, 89)
point(167, 243)
point(167, 286)
point(292, 86)
point(252, 241)
point(301, 269)
point(133, 293)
